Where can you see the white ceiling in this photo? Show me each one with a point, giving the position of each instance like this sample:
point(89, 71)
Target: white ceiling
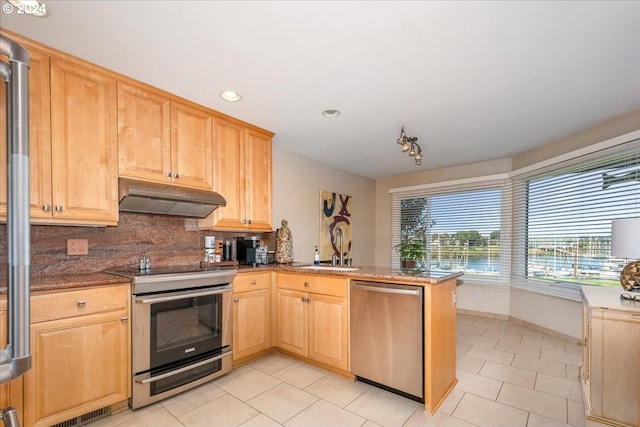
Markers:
point(472, 80)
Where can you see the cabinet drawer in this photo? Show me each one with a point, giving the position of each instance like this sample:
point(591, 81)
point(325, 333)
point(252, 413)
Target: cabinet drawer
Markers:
point(313, 283)
point(244, 282)
point(60, 305)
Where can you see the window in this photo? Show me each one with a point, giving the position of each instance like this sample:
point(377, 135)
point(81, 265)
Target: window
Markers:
point(461, 229)
point(564, 217)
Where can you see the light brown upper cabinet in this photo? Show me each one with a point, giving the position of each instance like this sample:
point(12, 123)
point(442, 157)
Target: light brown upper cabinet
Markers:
point(83, 144)
point(39, 139)
point(73, 143)
point(162, 139)
point(242, 174)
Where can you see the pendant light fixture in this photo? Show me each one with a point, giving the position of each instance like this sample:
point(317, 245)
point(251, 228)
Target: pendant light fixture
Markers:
point(409, 144)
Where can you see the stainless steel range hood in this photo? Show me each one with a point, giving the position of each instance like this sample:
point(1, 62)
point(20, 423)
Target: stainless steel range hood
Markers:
point(162, 199)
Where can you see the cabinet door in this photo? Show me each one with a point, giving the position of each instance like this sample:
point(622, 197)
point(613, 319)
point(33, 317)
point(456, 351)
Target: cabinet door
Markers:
point(78, 365)
point(585, 370)
point(228, 176)
point(11, 392)
point(39, 139)
point(620, 368)
point(292, 329)
point(144, 141)
point(258, 178)
point(328, 330)
point(191, 146)
point(251, 323)
point(83, 144)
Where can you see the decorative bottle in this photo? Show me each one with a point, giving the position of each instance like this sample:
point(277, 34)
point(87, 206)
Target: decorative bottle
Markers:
point(284, 244)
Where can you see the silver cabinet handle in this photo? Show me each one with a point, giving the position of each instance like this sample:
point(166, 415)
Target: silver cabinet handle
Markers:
point(236, 300)
point(306, 284)
point(167, 174)
point(249, 221)
point(152, 299)
point(386, 290)
point(59, 208)
point(253, 282)
point(184, 369)
point(176, 175)
point(124, 319)
point(82, 303)
point(46, 208)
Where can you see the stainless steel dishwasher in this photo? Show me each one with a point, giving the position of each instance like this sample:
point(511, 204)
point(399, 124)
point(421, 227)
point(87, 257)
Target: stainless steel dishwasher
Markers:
point(387, 336)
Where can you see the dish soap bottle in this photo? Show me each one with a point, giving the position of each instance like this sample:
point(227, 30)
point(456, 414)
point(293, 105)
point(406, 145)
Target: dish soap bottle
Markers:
point(316, 257)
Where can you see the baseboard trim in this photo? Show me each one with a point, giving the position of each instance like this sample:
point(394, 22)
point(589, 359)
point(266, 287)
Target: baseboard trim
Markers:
point(542, 329)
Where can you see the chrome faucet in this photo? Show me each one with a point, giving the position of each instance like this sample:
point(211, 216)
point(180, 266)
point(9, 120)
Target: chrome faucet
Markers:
point(341, 245)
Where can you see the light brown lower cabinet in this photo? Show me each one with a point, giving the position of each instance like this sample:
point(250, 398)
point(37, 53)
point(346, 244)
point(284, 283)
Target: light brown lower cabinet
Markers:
point(252, 312)
point(610, 373)
point(80, 354)
point(11, 392)
point(313, 324)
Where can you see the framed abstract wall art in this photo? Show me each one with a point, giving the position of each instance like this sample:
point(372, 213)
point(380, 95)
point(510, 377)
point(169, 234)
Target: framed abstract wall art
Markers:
point(335, 225)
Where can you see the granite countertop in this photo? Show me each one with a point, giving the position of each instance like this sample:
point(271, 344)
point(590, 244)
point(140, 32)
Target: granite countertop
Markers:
point(417, 277)
point(75, 280)
point(67, 281)
point(609, 298)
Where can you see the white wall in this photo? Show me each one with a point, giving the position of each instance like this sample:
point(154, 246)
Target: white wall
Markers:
point(297, 182)
point(558, 314)
point(484, 298)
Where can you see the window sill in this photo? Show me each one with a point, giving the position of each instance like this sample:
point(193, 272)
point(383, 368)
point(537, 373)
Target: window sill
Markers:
point(483, 281)
point(564, 290)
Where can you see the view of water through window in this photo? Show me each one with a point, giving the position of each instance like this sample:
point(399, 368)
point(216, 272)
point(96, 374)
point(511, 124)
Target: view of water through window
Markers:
point(566, 236)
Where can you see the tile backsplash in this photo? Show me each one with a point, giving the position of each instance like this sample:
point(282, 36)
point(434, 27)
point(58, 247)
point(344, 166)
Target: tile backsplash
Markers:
point(168, 241)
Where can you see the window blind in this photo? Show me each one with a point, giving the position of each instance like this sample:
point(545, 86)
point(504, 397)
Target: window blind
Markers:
point(563, 213)
point(464, 227)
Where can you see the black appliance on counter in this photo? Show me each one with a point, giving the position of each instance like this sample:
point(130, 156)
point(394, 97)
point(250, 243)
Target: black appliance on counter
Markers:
point(246, 249)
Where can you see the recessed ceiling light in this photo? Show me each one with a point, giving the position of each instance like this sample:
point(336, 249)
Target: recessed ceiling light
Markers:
point(231, 96)
point(331, 113)
point(27, 7)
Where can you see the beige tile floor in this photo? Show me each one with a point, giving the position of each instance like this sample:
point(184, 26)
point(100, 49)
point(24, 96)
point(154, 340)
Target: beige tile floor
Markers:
point(509, 375)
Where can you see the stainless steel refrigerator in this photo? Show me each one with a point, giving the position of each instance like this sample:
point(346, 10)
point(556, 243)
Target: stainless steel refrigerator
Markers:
point(15, 358)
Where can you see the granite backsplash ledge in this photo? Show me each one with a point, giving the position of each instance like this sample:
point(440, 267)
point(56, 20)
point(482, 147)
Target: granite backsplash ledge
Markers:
point(168, 241)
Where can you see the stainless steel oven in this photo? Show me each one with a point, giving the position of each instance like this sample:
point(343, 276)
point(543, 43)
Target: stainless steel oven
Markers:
point(181, 330)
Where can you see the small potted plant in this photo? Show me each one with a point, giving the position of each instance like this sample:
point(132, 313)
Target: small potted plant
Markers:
point(411, 250)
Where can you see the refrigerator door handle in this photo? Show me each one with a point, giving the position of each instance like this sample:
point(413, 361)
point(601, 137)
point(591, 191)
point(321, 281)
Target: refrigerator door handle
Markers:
point(15, 359)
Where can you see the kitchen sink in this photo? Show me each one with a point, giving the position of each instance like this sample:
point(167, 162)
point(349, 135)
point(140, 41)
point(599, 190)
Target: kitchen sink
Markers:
point(329, 268)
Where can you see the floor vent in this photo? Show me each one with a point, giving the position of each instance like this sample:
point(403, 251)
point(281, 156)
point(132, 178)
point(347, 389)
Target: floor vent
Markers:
point(85, 418)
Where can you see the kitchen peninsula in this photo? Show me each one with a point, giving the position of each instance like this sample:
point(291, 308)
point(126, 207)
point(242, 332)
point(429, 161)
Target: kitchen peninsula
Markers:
point(297, 284)
point(258, 295)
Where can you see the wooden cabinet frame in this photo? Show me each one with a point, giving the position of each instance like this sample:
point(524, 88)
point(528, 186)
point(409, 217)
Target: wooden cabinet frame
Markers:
point(252, 316)
point(80, 362)
point(311, 324)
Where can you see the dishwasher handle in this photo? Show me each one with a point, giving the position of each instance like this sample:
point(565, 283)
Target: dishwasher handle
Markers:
point(387, 290)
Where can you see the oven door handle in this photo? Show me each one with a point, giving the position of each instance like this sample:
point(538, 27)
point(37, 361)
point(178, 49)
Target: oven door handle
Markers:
point(152, 299)
point(183, 369)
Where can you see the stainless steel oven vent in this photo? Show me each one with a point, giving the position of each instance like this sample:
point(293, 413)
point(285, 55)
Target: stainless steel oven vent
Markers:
point(162, 199)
